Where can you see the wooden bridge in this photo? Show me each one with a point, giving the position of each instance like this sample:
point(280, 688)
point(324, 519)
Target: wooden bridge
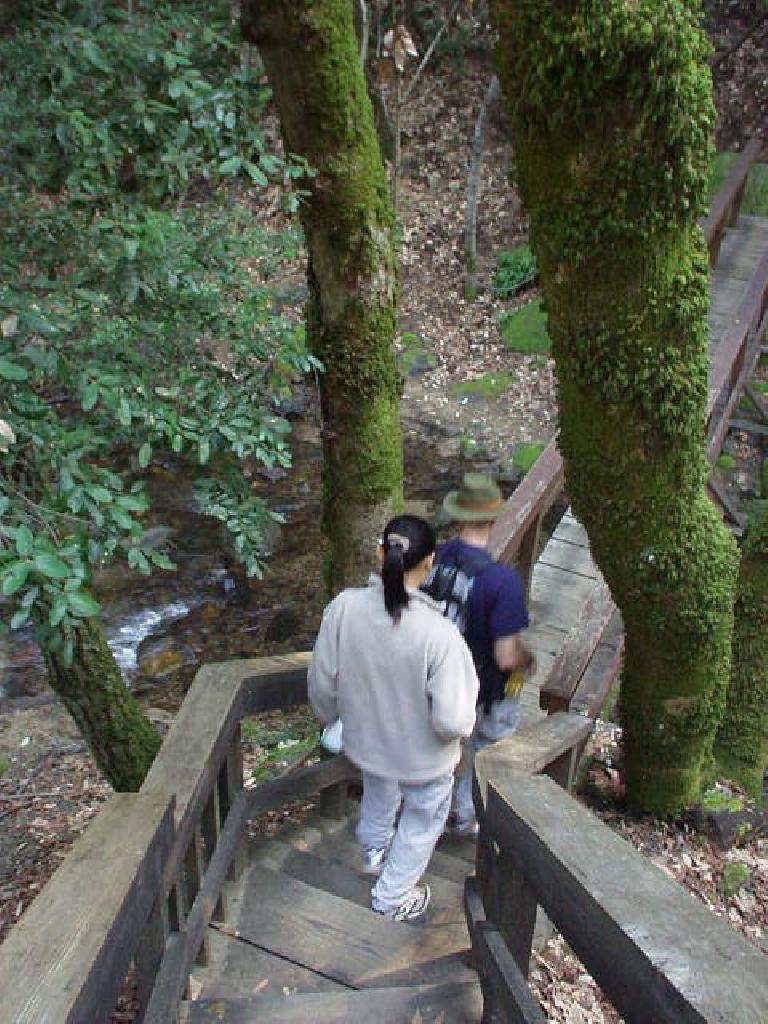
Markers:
point(213, 926)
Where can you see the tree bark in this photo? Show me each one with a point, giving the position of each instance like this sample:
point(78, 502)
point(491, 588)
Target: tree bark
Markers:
point(611, 103)
point(120, 737)
point(311, 57)
point(741, 748)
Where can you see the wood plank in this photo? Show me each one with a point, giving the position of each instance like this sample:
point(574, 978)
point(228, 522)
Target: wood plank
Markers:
point(729, 194)
point(184, 945)
point(276, 682)
point(343, 876)
point(655, 951)
point(319, 837)
point(571, 557)
point(534, 749)
point(192, 753)
point(570, 531)
point(451, 1003)
point(578, 648)
point(553, 586)
point(507, 996)
point(334, 937)
point(599, 676)
point(749, 427)
point(239, 970)
point(65, 960)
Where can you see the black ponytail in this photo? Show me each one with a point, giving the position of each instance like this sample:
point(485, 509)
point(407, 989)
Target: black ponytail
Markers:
point(407, 541)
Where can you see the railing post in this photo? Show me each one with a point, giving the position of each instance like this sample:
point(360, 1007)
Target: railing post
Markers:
point(149, 952)
point(527, 552)
point(210, 825)
point(516, 909)
point(333, 800)
point(230, 783)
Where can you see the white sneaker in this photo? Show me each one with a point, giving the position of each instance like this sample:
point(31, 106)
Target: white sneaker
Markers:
point(374, 860)
point(412, 906)
point(461, 829)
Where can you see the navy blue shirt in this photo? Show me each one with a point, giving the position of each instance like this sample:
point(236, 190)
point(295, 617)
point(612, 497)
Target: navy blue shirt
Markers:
point(496, 609)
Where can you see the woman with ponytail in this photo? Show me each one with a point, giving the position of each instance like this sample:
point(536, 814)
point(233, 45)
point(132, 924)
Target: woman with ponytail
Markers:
point(403, 682)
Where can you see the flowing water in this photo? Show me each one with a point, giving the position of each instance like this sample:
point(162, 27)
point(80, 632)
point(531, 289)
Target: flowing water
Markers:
point(161, 628)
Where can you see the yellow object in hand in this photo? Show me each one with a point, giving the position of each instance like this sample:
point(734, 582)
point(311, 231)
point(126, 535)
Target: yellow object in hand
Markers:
point(514, 684)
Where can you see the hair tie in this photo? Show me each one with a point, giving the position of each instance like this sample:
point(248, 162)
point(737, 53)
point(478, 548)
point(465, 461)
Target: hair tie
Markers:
point(397, 540)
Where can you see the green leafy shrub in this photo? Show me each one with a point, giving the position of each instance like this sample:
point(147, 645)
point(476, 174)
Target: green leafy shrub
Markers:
point(97, 99)
point(726, 461)
point(517, 269)
point(129, 329)
point(525, 329)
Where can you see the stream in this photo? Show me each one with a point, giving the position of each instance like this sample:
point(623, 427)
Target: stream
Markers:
point(163, 627)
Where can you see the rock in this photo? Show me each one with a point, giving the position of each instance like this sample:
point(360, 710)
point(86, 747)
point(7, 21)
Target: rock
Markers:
point(161, 658)
point(727, 828)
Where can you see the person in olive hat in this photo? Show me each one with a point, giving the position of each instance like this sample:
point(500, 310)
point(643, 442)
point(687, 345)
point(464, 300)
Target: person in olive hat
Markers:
point(487, 601)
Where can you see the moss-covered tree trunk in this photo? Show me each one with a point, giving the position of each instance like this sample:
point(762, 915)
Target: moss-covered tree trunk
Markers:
point(612, 112)
point(741, 747)
point(120, 737)
point(311, 57)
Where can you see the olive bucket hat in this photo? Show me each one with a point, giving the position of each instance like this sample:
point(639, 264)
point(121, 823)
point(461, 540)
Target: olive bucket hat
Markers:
point(478, 500)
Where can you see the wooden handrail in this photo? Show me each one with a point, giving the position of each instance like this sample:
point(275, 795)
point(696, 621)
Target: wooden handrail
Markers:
point(657, 953)
point(171, 846)
point(65, 960)
point(727, 203)
point(735, 358)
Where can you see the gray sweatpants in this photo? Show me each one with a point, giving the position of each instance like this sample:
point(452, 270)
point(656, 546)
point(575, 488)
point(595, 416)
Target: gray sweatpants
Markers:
point(425, 807)
point(502, 720)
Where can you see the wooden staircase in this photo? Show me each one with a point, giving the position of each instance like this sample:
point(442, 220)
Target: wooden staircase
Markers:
point(295, 939)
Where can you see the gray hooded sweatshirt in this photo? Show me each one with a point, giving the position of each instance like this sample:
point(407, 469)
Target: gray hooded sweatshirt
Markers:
point(405, 692)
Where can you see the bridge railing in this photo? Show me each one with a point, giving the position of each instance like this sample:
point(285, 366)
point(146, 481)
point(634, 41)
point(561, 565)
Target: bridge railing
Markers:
point(140, 887)
point(657, 953)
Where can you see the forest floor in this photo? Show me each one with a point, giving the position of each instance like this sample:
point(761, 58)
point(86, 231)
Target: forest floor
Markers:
point(49, 786)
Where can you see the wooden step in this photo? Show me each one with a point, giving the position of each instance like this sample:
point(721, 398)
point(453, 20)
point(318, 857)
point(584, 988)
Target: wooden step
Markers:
point(335, 839)
point(430, 1004)
point(308, 930)
point(336, 875)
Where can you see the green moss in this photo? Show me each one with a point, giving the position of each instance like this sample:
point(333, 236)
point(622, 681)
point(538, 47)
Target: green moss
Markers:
point(755, 200)
point(490, 385)
point(717, 800)
point(526, 455)
point(5, 764)
point(764, 479)
point(735, 876)
point(741, 746)
point(525, 329)
point(726, 461)
point(414, 358)
point(611, 104)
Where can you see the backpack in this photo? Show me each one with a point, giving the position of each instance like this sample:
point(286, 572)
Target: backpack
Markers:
point(451, 580)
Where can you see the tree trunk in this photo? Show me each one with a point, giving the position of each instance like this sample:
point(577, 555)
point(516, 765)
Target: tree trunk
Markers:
point(122, 740)
point(473, 189)
point(611, 102)
point(310, 55)
point(741, 748)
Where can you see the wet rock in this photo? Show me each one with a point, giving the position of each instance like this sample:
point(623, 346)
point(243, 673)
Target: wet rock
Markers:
point(159, 659)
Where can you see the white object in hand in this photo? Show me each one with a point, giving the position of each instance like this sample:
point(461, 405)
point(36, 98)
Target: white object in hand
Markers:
point(331, 737)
